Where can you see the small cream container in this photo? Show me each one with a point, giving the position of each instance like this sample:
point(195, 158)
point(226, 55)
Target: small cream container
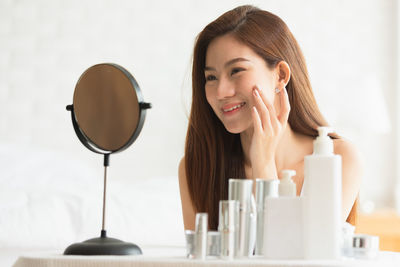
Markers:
point(365, 246)
point(213, 243)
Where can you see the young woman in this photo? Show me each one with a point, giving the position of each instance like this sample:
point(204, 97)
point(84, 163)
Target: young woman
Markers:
point(253, 113)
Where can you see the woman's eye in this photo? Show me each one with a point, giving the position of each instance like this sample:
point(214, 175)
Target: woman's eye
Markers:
point(236, 70)
point(210, 78)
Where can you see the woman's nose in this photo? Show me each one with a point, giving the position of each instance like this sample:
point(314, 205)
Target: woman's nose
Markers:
point(225, 89)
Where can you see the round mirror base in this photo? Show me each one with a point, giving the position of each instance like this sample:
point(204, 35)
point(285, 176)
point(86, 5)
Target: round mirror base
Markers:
point(103, 246)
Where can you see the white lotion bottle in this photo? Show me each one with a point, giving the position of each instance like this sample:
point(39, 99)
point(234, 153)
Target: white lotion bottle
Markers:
point(284, 222)
point(287, 188)
point(322, 189)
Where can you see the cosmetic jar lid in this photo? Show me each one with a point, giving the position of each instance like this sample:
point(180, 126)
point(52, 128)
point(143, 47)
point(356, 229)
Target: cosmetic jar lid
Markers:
point(367, 242)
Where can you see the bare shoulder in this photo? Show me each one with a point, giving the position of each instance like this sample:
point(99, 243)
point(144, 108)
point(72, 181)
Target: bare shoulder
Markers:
point(352, 172)
point(347, 150)
point(351, 158)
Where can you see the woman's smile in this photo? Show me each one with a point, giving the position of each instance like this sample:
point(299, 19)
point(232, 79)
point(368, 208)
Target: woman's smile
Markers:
point(232, 108)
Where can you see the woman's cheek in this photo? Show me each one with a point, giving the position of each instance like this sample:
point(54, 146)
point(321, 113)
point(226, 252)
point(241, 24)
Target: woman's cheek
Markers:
point(208, 95)
point(246, 83)
point(211, 98)
point(277, 106)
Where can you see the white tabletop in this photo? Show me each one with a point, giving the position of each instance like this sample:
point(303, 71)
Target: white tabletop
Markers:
point(167, 256)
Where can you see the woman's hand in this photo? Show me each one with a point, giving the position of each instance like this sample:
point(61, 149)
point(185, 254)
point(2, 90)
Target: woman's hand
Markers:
point(268, 130)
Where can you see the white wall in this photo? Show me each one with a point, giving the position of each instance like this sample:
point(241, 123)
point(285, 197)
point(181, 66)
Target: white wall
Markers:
point(46, 44)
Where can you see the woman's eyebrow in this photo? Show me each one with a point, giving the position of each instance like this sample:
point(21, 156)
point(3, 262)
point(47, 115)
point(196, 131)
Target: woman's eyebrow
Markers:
point(230, 62)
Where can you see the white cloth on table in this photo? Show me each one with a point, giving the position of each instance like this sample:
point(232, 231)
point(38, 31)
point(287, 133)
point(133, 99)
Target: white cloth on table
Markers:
point(174, 257)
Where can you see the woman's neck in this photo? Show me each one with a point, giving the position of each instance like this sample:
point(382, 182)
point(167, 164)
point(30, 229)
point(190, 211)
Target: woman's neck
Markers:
point(290, 150)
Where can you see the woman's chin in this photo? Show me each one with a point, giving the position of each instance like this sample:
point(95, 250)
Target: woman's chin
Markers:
point(234, 129)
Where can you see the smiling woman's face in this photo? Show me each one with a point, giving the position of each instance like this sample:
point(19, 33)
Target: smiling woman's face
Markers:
point(232, 71)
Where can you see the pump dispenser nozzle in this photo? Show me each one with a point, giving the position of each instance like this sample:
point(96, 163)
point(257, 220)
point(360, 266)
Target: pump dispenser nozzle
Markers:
point(323, 144)
point(287, 188)
point(324, 131)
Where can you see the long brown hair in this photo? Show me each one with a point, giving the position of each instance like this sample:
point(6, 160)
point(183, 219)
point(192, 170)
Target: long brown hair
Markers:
point(212, 154)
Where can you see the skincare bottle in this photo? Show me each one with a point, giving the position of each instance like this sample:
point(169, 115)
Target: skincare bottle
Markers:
point(264, 189)
point(200, 236)
point(228, 226)
point(287, 188)
point(322, 191)
point(213, 244)
point(284, 222)
point(189, 234)
point(241, 190)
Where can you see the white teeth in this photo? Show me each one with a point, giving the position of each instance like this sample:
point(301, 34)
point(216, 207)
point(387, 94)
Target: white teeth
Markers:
point(235, 107)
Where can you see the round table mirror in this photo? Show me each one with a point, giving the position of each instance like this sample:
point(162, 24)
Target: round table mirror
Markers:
point(108, 114)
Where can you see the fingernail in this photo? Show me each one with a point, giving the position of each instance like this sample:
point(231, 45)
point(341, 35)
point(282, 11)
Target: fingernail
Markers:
point(255, 91)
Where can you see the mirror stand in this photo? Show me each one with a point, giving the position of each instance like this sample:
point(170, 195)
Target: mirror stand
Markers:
point(103, 245)
point(107, 113)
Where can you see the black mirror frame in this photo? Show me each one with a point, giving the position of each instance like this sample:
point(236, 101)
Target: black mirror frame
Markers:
point(142, 115)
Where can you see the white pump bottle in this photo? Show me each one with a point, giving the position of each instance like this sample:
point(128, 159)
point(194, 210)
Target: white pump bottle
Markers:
point(287, 188)
point(322, 189)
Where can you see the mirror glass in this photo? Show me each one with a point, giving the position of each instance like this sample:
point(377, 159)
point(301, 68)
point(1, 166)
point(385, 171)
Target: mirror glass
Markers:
point(107, 108)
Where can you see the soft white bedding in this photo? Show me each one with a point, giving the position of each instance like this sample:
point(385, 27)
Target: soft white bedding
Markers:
point(48, 200)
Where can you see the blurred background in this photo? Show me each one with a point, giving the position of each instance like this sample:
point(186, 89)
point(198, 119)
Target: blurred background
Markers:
point(351, 49)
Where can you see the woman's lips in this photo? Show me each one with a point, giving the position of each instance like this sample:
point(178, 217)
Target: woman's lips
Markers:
point(231, 108)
